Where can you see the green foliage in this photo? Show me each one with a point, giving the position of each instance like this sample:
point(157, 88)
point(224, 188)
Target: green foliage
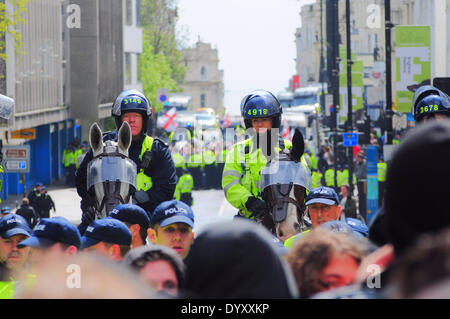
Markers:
point(162, 63)
point(156, 72)
point(9, 23)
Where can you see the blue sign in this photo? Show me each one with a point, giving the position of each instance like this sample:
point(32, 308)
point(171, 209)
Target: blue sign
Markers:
point(350, 139)
point(162, 97)
point(372, 182)
point(22, 165)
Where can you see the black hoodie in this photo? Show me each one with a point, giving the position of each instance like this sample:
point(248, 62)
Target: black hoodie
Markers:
point(237, 259)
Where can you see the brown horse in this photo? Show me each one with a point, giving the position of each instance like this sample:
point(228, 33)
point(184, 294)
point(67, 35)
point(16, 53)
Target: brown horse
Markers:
point(284, 182)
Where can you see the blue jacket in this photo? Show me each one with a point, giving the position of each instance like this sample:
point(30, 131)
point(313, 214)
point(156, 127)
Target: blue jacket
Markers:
point(161, 170)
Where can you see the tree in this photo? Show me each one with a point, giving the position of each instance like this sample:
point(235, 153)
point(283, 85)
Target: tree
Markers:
point(162, 60)
point(9, 22)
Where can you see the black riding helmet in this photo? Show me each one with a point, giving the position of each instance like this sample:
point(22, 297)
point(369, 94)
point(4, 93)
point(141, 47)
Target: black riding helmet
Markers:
point(260, 104)
point(430, 100)
point(131, 101)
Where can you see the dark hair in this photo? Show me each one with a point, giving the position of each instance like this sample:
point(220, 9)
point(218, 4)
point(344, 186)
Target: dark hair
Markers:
point(428, 262)
point(154, 253)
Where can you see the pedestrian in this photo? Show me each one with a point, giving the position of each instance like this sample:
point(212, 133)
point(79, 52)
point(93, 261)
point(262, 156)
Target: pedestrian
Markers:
point(381, 176)
point(52, 238)
point(427, 262)
point(156, 178)
point(69, 160)
point(34, 194)
point(361, 179)
point(136, 219)
point(27, 211)
point(183, 191)
point(171, 225)
point(13, 229)
point(44, 204)
point(347, 203)
point(241, 178)
point(159, 266)
point(108, 237)
point(324, 260)
point(237, 260)
point(85, 277)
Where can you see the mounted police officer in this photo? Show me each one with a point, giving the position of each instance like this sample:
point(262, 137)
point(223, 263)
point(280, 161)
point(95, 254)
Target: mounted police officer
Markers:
point(241, 175)
point(430, 102)
point(156, 178)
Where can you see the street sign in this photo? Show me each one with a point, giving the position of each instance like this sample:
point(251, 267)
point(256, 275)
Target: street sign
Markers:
point(162, 95)
point(27, 133)
point(350, 139)
point(16, 159)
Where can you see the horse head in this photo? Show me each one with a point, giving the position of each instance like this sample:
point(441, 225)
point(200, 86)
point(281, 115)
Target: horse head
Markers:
point(111, 173)
point(284, 182)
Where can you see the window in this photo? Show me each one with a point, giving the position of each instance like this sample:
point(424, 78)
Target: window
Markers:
point(129, 12)
point(203, 73)
point(127, 68)
point(138, 13)
point(202, 100)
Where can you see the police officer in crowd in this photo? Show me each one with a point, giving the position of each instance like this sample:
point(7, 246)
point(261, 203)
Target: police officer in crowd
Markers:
point(28, 212)
point(156, 179)
point(241, 175)
point(430, 102)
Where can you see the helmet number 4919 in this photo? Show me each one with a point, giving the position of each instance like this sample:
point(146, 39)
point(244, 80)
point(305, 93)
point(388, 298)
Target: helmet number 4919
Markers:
point(257, 112)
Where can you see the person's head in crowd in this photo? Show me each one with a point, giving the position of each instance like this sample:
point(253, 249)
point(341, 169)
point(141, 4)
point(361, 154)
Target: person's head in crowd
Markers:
point(38, 186)
point(171, 225)
point(84, 276)
point(159, 266)
point(25, 201)
point(43, 190)
point(358, 226)
point(417, 200)
point(424, 265)
point(360, 157)
point(323, 205)
point(52, 237)
point(5, 211)
point(13, 229)
point(108, 237)
point(136, 219)
point(237, 259)
point(338, 226)
point(323, 260)
point(345, 190)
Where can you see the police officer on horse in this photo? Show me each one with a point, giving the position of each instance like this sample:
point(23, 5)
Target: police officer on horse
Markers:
point(156, 178)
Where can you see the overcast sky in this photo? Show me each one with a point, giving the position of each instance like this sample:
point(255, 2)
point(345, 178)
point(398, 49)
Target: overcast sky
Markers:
point(255, 41)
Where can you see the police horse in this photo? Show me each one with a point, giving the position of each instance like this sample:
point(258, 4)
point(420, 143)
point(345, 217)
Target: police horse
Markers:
point(111, 178)
point(284, 183)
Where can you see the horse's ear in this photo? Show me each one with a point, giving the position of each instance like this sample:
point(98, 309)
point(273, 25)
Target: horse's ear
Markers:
point(124, 140)
point(298, 146)
point(95, 138)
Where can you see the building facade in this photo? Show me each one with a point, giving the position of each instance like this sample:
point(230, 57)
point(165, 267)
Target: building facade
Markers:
point(72, 71)
point(203, 80)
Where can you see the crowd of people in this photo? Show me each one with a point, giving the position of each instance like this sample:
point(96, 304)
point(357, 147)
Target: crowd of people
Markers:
point(147, 249)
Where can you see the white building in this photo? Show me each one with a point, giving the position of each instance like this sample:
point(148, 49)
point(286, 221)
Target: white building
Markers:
point(204, 80)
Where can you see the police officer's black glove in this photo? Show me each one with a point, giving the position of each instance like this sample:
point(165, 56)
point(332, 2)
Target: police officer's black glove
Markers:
point(256, 206)
point(140, 197)
point(87, 207)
